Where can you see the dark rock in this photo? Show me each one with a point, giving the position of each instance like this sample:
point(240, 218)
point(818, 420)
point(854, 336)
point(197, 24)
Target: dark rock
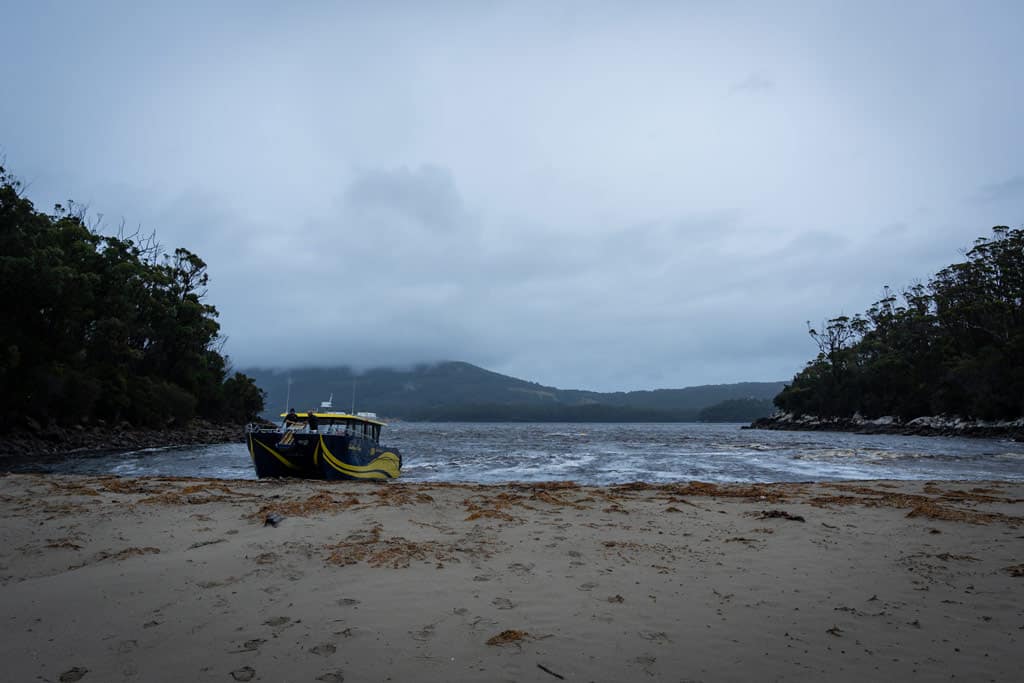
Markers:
point(73, 674)
point(974, 429)
point(27, 443)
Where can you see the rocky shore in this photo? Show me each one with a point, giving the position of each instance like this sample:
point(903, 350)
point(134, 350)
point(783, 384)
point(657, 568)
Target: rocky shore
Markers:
point(921, 426)
point(55, 440)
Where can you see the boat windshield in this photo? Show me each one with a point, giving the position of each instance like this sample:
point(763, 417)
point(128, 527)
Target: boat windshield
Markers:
point(338, 425)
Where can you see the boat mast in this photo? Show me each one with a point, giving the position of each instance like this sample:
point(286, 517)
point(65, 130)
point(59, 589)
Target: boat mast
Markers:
point(353, 411)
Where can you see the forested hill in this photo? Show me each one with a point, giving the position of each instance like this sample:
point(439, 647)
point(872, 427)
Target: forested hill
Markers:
point(953, 346)
point(99, 330)
point(463, 392)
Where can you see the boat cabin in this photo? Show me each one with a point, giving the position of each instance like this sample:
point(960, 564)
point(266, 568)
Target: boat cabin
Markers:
point(341, 424)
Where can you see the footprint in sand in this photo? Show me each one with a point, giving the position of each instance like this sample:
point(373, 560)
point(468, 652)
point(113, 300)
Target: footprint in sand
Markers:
point(266, 558)
point(280, 624)
point(521, 569)
point(346, 602)
point(588, 586)
point(250, 645)
point(647, 663)
point(332, 677)
point(503, 603)
point(324, 649)
point(126, 646)
point(246, 673)
point(425, 633)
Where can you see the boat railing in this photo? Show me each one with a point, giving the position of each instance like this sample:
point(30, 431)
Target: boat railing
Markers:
point(303, 428)
point(258, 427)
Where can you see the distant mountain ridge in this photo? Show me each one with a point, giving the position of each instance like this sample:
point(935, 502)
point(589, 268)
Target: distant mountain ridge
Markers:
point(459, 391)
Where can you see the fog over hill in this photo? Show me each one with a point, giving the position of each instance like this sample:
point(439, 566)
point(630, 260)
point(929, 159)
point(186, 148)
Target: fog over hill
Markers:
point(456, 390)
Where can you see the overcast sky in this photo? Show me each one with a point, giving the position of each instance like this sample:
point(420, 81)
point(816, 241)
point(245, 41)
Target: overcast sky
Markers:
point(589, 195)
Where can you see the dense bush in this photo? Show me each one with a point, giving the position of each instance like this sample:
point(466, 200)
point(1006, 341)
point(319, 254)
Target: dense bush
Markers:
point(97, 327)
point(953, 346)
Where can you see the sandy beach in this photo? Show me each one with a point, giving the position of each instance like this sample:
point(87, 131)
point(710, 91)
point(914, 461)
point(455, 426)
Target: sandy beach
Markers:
point(164, 579)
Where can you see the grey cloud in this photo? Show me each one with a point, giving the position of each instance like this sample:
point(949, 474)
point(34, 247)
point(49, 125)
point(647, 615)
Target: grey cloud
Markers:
point(1009, 189)
point(753, 83)
point(427, 195)
point(375, 186)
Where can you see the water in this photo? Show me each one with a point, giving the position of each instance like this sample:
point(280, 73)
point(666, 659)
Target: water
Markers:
point(612, 453)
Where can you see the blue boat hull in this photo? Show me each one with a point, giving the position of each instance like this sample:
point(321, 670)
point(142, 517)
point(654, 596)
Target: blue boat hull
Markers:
point(309, 455)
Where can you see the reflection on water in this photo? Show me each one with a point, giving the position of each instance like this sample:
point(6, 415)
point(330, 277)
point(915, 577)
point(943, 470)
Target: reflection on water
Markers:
point(613, 453)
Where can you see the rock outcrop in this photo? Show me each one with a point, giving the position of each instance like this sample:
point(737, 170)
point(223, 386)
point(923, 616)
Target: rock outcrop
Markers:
point(920, 426)
point(54, 440)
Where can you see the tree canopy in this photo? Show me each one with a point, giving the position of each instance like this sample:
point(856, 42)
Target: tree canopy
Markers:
point(98, 327)
point(952, 346)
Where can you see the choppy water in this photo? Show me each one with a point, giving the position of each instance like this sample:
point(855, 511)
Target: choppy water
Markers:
point(614, 453)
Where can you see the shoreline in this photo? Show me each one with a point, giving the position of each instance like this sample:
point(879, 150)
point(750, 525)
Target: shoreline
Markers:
point(922, 426)
point(58, 441)
point(108, 578)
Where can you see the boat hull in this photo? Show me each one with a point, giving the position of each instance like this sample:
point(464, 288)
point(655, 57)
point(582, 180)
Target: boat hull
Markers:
point(309, 455)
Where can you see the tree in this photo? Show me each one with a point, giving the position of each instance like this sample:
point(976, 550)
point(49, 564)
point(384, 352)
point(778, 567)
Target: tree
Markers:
point(953, 346)
point(101, 327)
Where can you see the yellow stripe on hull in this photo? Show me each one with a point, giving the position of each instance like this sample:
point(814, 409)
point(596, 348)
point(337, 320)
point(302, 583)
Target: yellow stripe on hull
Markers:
point(384, 466)
point(283, 460)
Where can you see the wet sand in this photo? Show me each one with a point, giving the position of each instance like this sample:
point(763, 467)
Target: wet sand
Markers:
point(164, 579)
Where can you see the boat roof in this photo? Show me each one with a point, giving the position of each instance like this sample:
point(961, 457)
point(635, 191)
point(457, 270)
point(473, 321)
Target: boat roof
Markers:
point(338, 416)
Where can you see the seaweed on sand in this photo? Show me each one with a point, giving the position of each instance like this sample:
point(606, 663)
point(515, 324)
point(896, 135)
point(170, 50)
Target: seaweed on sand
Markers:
point(918, 505)
point(494, 507)
point(317, 504)
point(508, 636)
point(373, 548)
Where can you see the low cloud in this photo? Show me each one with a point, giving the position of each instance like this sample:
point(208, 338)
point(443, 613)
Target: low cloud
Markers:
point(633, 200)
point(426, 196)
point(1007, 190)
point(753, 83)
